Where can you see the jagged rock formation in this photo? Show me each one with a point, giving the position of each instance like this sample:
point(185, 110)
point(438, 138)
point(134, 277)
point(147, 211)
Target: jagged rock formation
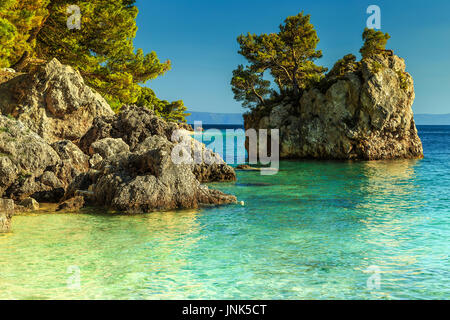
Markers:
point(54, 102)
point(148, 180)
point(29, 166)
point(135, 171)
point(52, 150)
point(133, 125)
point(364, 114)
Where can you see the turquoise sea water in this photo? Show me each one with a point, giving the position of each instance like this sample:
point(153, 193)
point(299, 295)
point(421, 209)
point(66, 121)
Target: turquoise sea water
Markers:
point(316, 230)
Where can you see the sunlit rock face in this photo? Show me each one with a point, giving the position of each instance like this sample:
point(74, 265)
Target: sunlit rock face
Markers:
point(128, 131)
point(136, 172)
point(54, 102)
point(30, 167)
point(365, 115)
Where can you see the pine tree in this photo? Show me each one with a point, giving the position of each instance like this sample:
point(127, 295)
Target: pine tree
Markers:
point(18, 21)
point(102, 49)
point(289, 55)
point(374, 42)
point(170, 111)
point(249, 87)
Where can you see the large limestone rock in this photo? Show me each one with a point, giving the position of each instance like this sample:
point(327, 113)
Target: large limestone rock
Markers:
point(133, 125)
point(6, 212)
point(53, 102)
point(365, 114)
point(146, 180)
point(30, 167)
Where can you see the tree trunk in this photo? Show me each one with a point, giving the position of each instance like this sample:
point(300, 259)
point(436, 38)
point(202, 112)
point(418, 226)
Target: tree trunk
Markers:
point(25, 59)
point(22, 63)
point(260, 98)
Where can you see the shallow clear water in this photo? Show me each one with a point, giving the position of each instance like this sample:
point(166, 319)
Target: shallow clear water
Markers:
point(310, 232)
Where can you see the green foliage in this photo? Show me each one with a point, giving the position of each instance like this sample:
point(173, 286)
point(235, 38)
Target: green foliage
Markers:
point(18, 20)
point(404, 84)
point(288, 56)
point(170, 111)
point(102, 49)
point(343, 66)
point(346, 65)
point(4, 130)
point(24, 175)
point(249, 87)
point(374, 42)
point(376, 66)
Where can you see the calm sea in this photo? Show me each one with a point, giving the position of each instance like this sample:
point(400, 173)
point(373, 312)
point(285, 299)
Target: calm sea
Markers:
point(316, 230)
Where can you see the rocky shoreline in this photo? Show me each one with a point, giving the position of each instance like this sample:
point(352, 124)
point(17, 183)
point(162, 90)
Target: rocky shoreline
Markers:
point(60, 142)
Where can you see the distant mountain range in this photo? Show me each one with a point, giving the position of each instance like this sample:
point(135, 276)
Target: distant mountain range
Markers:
point(216, 118)
point(237, 119)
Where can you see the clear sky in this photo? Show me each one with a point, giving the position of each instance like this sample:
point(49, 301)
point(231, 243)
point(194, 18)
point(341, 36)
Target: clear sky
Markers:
point(199, 37)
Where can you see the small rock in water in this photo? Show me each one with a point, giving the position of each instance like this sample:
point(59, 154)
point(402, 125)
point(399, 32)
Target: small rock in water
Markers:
point(6, 212)
point(30, 204)
point(72, 205)
point(242, 203)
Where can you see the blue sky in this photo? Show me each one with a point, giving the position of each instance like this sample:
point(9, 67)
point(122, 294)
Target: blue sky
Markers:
point(199, 37)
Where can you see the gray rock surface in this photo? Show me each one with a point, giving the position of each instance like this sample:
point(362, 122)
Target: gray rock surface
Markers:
point(24, 157)
point(108, 147)
point(30, 167)
point(133, 125)
point(54, 102)
point(149, 180)
point(365, 115)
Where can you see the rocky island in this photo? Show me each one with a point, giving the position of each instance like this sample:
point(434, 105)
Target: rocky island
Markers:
point(359, 110)
point(364, 114)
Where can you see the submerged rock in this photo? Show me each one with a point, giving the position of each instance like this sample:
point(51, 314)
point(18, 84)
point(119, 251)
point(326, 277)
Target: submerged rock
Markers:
point(54, 102)
point(364, 114)
point(72, 205)
point(246, 167)
point(29, 204)
point(6, 212)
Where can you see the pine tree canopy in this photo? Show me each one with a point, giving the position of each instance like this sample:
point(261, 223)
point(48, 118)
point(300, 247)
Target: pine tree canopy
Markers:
point(101, 49)
point(288, 55)
point(374, 42)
